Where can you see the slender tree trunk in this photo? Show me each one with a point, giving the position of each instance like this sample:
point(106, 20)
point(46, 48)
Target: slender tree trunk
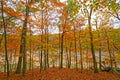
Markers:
point(61, 62)
point(24, 50)
point(1, 39)
point(41, 60)
point(5, 66)
point(69, 62)
point(47, 52)
point(11, 60)
point(113, 54)
point(91, 42)
point(41, 57)
point(47, 56)
point(47, 39)
point(99, 46)
point(62, 43)
point(42, 27)
point(18, 70)
point(24, 39)
point(46, 49)
point(23, 45)
point(41, 53)
point(5, 38)
point(75, 47)
point(15, 56)
point(81, 60)
point(87, 56)
point(109, 51)
point(30, 61)
point(59, 47)
point(45, 59)
point(100, 65)
point(67, 59)
point(32, 65)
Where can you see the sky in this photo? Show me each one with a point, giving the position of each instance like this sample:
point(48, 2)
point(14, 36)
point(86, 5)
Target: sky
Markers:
point(62, 0)
point(116, 22)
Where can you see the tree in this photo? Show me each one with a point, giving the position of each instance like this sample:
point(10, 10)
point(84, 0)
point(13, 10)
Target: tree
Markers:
point(98, 32)
point(23, 42)
point(73, 9)
point(89, 15)
point(5, 38)
point(62, 28)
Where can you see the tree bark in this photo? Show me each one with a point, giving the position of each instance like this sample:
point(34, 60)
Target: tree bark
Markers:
point(69, 61)
point(109, 51)
point(91, 42)
point(61, 56)
point(75, 47)
point(99, 49)
point(23, 45)
point(81, 57)
point(5, 38)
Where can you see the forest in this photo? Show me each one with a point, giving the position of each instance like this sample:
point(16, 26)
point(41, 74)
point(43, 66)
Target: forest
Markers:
point(59, 39)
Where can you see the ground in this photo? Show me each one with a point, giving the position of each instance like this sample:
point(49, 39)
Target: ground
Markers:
point(61, 74)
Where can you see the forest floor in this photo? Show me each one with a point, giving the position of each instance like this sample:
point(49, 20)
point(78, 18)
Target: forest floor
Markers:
point(61, 74)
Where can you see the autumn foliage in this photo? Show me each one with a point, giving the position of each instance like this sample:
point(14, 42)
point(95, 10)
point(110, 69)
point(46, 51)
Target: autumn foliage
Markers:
point(59, 40)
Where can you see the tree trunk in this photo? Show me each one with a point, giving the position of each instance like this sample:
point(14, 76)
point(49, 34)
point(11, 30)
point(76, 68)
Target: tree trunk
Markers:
point(30, 61)
point(11, 62)
point(23, 45)
point(5, 38)
point(81, 60)
point(59, 52)
point(91, 42)
point(75, 48)
point(45, 59)
point(47, 53)
point(100, 66)
point(1, 39)
point(41, 57)
point(109, 51)
point(15, 56)
point(61, 56)
point(69, 61)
